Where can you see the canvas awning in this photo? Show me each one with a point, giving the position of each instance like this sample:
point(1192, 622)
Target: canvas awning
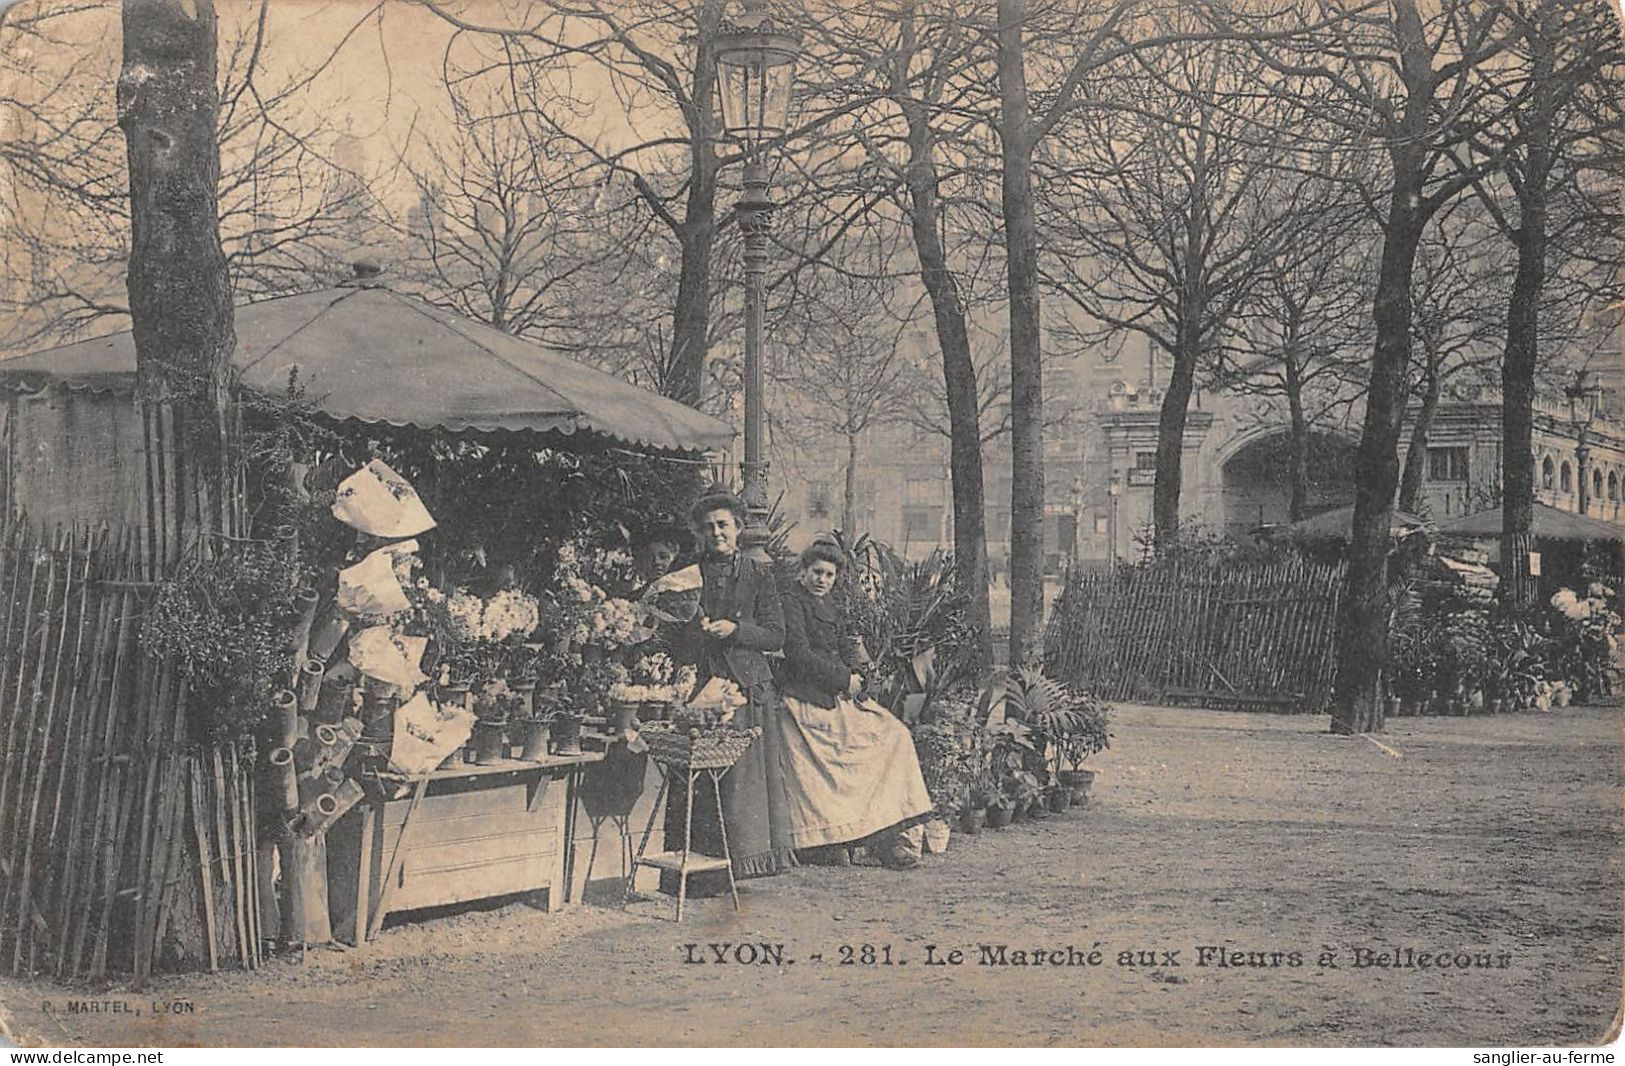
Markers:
point(369, 354)
point(1547, 523)
point(1338, 524)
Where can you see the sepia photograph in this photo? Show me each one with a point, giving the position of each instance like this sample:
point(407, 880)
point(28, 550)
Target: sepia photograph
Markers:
point(812, 523)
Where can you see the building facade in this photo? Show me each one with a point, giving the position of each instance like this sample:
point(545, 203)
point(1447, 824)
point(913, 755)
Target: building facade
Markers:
point(1100, 466)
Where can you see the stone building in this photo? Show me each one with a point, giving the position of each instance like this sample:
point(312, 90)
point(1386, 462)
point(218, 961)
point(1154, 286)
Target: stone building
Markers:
point(1100, 465)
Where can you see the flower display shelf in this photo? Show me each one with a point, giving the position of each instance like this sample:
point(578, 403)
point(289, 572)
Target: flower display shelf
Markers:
point(711, 753)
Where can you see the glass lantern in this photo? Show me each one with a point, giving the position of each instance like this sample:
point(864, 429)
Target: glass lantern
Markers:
point(756, 64)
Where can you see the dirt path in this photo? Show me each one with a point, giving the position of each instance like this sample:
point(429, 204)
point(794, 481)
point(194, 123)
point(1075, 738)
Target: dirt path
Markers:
point(1490, 837)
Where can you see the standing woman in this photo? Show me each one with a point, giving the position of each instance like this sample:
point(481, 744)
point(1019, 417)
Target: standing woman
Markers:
point(739, 622)
point(852, 771)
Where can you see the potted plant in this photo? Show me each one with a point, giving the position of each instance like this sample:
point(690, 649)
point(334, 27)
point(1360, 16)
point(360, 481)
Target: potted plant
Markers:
point(1000, 811)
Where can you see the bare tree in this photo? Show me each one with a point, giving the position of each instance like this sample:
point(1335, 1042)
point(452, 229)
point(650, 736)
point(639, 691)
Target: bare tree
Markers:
point(1562, 101)
point(850, 373)
point(1174, 207)
point(516, 231)
point(1459, 298)
point(1303, 322)
point(289, 212)
point(1417, 84)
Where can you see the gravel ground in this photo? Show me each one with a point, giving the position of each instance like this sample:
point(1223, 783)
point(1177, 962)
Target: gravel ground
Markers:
point(1495, 838)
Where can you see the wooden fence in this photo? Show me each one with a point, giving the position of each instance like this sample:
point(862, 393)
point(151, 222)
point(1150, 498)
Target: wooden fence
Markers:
point(1239, 635)
point(123, 848)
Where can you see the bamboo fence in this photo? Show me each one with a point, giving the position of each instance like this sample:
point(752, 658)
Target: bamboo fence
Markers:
point(1252, 635)
point(123, 848)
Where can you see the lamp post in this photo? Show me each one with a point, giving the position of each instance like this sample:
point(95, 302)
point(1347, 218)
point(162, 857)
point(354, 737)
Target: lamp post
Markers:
point(755, 66)
point(1114, 489)
point(1583, 397)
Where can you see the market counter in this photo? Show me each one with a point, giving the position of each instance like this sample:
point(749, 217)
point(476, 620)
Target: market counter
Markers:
point(454, 835)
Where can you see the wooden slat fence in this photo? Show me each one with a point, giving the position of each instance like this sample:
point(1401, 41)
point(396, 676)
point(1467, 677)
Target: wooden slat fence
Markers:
point(123, 848)
point(1253, 635)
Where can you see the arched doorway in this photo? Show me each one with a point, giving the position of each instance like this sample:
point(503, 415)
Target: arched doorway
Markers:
point(1258, 479)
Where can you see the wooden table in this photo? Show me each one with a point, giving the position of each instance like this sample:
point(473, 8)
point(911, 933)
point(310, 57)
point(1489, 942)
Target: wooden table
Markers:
point(454, 835)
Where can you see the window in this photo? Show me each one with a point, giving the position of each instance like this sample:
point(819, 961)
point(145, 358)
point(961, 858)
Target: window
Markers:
point(921, 524)
point(923, 490)
point(1102, 525)
point(1613, 486)
point(818, 499)
point(1145, 460)
point(1565, 478)
point(1548, 472)
point(1447, 464)
point(1596, 484)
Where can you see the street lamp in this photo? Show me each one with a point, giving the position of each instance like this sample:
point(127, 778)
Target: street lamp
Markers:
point(1584, 396)
point(756, 61)
point(1114, 489)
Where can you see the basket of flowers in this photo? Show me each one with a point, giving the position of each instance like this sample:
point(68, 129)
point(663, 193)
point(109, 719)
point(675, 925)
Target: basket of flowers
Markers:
point(686, 742)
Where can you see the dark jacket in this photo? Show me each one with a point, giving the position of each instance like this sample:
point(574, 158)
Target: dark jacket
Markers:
point(819, 659)
point(750, 599)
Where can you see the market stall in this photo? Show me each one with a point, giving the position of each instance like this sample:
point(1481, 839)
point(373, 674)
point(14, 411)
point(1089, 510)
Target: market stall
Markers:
point(442, 522)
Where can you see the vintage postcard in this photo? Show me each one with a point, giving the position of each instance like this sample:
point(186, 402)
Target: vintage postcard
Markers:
point(738, 523)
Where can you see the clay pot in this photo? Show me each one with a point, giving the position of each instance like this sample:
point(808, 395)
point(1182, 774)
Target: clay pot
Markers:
point(564, 735)
point(1078, 782)
point(1060, 800)
point(490, 741)
point(999, 817)
point(937, 834)
point(618, 717)
point(531, 736)
point(972, 819)
point(1037, 808)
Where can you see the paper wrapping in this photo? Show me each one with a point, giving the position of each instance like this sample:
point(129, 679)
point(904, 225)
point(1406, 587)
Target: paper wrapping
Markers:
point(370, 589)
point(390, 657)
point(426, 732)
point(378, 501)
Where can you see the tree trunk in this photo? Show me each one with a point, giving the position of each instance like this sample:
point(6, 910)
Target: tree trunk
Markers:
point(1519, 586)
point(849, 500)
point(179, 289)
point(684, 378)
point(1170, 475)
point(958, 368)
point(691, 316)
point(1298, 441)
point(1026, 342)
point(1416, 457)
point(1362, 645)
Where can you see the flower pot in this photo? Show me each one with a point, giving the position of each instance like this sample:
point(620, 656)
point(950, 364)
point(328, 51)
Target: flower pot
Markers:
point(618, 718)
point(999, 817)
point(1037, 808)
point(1060, 800)
point(937, 834)
point(531, 734)
point(1394, 705)
point(1562, 697)
point(490, 744)
point(564, 735)
point(972, 819)
point(1078, 782)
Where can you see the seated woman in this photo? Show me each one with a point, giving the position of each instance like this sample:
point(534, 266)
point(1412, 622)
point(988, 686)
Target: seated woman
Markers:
point(850, 767)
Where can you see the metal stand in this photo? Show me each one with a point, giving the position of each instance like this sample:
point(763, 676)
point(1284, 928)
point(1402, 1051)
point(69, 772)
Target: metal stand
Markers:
point(687, 861)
